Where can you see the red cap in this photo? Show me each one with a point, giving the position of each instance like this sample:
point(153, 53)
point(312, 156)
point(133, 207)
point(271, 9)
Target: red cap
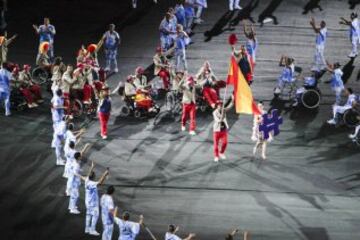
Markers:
point(139, 70)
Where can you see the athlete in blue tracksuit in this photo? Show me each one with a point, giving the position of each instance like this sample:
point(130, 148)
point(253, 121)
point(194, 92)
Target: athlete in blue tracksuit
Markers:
point(5, 78)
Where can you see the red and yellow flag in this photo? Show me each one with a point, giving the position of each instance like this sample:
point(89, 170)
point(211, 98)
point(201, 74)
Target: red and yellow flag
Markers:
point(244, 101)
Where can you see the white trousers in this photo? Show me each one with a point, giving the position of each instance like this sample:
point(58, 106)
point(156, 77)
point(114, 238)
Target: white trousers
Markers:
point(234, 4)
point(319, 58)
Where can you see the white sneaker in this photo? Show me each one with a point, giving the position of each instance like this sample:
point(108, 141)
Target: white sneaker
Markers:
point(74, 211)
point(352, 136)
point(116, 70)
point(183, 128)
point(107, 69)
point(216, 159)
point(238, 7)
point(60, 162)
point(331, 121)
point(104, 137)
point(222, 156)
point(94, 233)
point(352, 55)
point(263, 157)
point(192, 133)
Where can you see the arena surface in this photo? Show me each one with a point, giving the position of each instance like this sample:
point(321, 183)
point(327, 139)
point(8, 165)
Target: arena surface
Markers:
point(308, 188)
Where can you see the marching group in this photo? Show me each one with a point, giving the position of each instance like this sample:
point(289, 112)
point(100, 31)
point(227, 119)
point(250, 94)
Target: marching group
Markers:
point(87, 81)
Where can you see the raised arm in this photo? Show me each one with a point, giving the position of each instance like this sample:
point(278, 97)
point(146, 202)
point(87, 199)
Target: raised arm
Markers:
point(102, 178)
point(344, 21)
point(10, 40)
point(115, 212)
point(245, 32)
point(81, 132)
point(85, 148)
point(191, 235)
point(91, 168)
point(313, 25)
point(100, 44)
point(246, 235)
point(234, 232)
point(141, 219)
point(37, 29)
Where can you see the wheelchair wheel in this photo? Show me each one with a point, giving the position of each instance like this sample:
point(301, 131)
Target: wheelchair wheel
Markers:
point(137, 113)
point(310, 99)
point(125, 111)
point(21, 107)
point(39, 75)
point(170, 101)
point(77, 108)
point(350, 118)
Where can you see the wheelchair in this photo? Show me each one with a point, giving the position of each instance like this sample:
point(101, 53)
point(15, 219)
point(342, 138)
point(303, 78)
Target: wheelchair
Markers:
point(78, 108)
point(140, 105)
point(309, 96)
point(350, 117)
point(356, 140)
point(173, 102)
point(17, 100)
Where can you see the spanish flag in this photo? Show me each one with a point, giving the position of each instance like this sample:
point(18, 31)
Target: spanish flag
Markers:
point(244, 101)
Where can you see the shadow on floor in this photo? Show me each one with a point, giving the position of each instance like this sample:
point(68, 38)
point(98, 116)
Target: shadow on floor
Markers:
point(311, 5)
point(245, 13)
point(269, 12)
point(219, 26)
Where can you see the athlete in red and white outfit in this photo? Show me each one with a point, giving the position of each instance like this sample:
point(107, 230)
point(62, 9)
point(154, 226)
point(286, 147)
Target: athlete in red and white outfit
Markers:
point(30, 90)
point(189, 104)
point(220, 129)
point(206, 79)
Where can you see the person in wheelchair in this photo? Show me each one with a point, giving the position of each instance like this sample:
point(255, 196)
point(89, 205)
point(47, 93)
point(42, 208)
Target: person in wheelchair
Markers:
point(129, 91)
point(30, 90)
point(84, 83)
point(138, 99)
point(67, 81)
point(286, 77)
point(57, 70)
point(162, 67)
point(310, 83)
point(340, 110)
point(356, 136)
point(140, 80)
point(206, 80)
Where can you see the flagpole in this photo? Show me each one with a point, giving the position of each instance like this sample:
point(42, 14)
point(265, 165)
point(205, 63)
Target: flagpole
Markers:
point(223, 104)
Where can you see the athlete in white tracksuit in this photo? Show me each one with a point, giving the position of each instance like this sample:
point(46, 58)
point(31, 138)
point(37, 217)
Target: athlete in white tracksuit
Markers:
point(321, 36)
point(354, 33)
point(107, 211)
point(58, 137)
point(128, 230)
point(70, 159)
point(74, 179)
point(92, 200)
